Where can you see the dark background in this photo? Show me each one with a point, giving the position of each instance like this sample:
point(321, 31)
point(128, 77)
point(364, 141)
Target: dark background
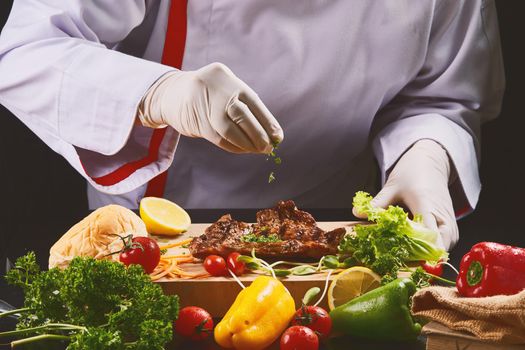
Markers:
point(42, 196)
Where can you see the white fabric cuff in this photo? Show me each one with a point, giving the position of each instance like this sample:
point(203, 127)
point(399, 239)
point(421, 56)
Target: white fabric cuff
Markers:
point(399, 136)
point(110, 138)
point(110, 95)
point(138, 150)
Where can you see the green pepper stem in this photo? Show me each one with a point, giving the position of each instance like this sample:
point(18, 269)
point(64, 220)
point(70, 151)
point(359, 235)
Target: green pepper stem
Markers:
point(14, 312)
point(39, 338)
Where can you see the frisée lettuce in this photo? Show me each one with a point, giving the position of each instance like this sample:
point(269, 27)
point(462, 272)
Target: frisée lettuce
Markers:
point(391, 240)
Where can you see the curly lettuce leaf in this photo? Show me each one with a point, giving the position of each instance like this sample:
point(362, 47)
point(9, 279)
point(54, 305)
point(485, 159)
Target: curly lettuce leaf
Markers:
point(391, 240)
point(421, 242)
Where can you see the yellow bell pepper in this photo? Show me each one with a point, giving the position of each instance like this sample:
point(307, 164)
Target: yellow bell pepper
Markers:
point(257, 317)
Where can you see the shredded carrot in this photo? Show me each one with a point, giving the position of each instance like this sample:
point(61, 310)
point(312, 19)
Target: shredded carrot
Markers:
point(176, 244)
point(179, 261)
point(168, 267)
point(159, 276)
point(162, 273)
point(194, 277)
point(183, 256)
point(184, 261)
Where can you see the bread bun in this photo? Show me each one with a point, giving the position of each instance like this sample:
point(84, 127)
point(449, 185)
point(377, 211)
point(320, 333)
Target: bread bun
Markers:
point(96, 235)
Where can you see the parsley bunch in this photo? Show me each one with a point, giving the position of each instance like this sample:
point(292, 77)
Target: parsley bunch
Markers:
point(92, 304)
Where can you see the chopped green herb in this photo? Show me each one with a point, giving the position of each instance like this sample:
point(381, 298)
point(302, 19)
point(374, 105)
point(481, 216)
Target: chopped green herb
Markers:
point(253, 238)
point(271, 177)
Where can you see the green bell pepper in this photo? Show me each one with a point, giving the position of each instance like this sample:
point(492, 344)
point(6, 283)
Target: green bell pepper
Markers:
point(381, 314)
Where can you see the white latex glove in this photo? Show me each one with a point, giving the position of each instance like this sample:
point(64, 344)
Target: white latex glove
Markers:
point(419, 181)
point(214, 104)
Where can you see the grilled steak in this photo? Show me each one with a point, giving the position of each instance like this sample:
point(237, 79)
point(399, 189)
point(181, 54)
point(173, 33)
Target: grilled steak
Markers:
point(290, 232)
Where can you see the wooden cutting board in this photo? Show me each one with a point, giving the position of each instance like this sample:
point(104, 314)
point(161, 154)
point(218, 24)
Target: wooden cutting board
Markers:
point(216, 294)
point(440, 337)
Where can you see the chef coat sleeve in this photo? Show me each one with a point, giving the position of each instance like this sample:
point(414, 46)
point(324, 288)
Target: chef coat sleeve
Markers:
point(459, 86)
point(62, 75)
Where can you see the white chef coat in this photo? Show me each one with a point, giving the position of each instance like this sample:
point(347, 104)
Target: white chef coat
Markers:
point(353, 83)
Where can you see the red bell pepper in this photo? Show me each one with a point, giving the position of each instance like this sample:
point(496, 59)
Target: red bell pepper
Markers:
point(491, 269)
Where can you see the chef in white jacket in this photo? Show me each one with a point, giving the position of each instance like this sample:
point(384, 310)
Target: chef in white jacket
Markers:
point(184, 98)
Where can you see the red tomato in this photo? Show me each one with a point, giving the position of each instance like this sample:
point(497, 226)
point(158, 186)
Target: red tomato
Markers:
point(194, 323)
point(436, 270)
point(237, 267)
point(314, 317)
point(215, 265)
point(299, 338)
point(142, 251)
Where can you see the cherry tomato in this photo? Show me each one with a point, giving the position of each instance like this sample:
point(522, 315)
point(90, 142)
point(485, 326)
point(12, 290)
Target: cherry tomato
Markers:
point(194, 323)
point(237, 267)
point(215, 265)
point(142, 251)
point(436, 270)
point(299, 338)
point(314, 317)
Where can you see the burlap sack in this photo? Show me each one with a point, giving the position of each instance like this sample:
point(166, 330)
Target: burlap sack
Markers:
point(499, 318)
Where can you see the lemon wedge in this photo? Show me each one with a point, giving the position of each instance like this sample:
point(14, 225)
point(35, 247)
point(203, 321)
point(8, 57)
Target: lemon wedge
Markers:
point(350, 284)
point(163, 217)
